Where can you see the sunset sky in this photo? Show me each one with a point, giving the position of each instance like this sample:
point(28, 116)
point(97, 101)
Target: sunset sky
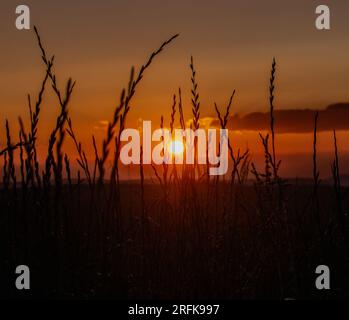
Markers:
point(232, 41)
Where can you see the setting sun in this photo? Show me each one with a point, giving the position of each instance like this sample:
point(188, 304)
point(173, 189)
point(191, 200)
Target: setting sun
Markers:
point(176, 147)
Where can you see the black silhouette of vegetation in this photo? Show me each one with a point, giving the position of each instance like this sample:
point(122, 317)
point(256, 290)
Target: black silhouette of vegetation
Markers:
point(185, 235)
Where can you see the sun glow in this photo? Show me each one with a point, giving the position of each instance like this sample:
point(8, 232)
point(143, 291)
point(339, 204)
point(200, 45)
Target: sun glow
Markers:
point(176, 147)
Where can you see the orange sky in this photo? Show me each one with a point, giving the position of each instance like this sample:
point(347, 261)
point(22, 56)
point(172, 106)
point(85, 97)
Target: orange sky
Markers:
point(232, 42)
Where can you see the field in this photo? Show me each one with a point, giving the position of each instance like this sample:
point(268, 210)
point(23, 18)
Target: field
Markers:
point(184, 234)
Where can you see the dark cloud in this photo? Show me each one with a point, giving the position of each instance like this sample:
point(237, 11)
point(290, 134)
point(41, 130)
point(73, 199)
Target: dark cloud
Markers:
point(335, 116)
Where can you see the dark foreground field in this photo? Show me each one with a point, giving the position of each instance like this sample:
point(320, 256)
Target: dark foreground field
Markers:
point(196, 240)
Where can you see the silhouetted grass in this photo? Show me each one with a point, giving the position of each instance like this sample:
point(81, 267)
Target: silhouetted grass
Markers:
point(178, 235)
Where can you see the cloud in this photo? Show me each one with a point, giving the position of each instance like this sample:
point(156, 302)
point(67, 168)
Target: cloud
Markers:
point(205, 122)
point(102, 125)
point(335, 116)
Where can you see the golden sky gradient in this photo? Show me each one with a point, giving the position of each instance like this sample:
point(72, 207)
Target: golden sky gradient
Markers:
point(232, 42)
